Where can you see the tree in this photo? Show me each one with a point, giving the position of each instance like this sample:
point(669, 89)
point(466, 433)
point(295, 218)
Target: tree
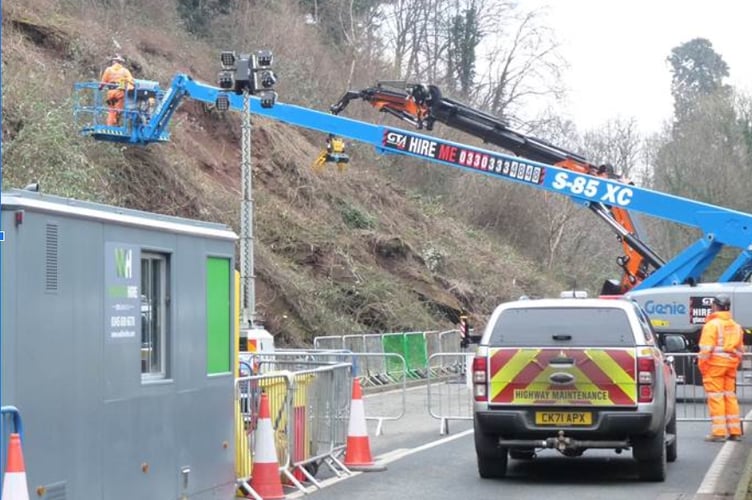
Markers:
point(464, 37)
point(619, 143)
point(697, 71)
point(522, 62)
point(744, 110)
point(705, 154)
point(337, 17)
point(198, 14)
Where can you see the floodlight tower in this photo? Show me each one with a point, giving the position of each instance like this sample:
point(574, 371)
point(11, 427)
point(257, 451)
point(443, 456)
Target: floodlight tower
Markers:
point(247, 74)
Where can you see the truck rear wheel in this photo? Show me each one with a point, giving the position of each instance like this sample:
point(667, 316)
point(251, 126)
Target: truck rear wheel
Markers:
point(650, 453)
point(672, 451)
point(492, 459)
point(492, 468)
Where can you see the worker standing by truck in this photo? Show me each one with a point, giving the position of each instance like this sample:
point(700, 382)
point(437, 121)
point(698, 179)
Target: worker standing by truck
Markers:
point(721, 351)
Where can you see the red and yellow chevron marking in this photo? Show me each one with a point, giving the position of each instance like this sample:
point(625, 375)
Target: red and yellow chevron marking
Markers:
point(602, 377)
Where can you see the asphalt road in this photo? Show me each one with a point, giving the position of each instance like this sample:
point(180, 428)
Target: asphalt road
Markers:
point(421, 463)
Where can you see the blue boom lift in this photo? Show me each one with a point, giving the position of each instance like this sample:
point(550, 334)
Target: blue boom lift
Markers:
point(149, 108)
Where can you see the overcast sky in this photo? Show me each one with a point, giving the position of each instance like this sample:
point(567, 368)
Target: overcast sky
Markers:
point(617, 52)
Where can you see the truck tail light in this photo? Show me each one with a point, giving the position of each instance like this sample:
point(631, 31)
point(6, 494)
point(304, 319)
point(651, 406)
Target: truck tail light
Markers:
point(645, 379)
point(480, 379)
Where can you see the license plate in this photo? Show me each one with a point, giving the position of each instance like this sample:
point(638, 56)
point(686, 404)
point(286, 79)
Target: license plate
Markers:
point(563, 418)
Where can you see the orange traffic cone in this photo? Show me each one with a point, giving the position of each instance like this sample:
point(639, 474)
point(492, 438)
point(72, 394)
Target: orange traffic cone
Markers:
point(14, 482)
point(358, 452)
point(265, 479)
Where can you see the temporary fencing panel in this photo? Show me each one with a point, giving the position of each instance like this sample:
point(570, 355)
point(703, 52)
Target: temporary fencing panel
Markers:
point(691, 395)
point(309, 412)
point(433, 342)
point(354, 343)
point(413, 347)
point(449, 396)
point(329, 342)
point(415, 354)
point(327, 404)
point(393, 344)
point(374, 365)
point(450, 341)
point(396, 360)
point(248, 397)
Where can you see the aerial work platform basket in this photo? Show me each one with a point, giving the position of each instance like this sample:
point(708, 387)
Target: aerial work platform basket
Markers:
point(90, 111)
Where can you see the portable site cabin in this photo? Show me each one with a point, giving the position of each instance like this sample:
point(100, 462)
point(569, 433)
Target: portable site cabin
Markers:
point(117, 349)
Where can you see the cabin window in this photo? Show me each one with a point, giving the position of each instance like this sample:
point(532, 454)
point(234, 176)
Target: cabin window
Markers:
point(154, 315)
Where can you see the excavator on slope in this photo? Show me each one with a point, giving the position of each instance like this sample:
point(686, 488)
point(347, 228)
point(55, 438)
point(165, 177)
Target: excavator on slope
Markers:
point(424, 105)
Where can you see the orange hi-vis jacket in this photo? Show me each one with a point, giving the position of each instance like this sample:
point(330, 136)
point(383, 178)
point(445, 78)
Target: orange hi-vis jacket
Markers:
point(119, 75)
point(721, 341)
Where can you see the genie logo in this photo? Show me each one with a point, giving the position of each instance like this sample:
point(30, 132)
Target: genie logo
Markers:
point(667, 308)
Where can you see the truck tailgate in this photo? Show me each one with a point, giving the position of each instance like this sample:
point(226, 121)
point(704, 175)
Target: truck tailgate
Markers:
point(563, 377)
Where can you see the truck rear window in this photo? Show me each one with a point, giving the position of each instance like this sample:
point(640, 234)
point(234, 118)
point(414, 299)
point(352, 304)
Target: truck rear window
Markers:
point(565, 327)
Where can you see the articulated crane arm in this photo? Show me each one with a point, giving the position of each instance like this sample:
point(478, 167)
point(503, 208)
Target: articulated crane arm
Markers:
point(423, 105)
point(721, 227)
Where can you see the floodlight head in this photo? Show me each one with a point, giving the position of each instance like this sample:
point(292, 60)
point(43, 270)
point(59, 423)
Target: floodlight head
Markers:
point(268, 79)
point(227, 59)
point(264, 58)
point(225, 80)
point(222, 102)
point(268, 98)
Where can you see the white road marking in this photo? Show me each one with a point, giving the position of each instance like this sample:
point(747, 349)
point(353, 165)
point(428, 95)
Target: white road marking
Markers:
point(394, 456)
point(386, 458)
point(712, 477)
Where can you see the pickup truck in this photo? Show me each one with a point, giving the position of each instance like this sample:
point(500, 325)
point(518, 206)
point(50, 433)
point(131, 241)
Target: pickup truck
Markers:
point(571, 375)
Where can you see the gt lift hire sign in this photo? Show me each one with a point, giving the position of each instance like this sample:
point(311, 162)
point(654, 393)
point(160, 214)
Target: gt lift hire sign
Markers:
point(122, 300)
point(463, 157)
point(699, 309)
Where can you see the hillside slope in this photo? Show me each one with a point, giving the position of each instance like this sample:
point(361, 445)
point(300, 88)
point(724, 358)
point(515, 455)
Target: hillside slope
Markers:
point(335, 252)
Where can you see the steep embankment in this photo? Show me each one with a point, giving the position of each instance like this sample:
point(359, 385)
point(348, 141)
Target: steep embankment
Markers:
point(335, 252)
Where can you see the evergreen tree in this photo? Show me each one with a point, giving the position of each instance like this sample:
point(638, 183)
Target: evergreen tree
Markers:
point(697, 71)
point(464, 37)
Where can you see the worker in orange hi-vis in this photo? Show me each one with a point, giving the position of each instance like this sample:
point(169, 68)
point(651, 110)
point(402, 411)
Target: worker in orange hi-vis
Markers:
point(118, 80)
point(721, 351)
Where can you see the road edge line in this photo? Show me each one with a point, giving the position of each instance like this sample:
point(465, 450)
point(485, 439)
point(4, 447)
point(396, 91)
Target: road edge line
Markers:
point(710, 481)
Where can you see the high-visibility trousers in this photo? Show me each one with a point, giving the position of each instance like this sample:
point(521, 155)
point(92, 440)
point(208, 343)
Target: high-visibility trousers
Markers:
point(720, 386)
point(115, 104)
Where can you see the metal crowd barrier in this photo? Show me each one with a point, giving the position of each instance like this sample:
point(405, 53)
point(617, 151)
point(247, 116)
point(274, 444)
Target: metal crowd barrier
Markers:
point(691, 395)
point(397, 375)
point(450, 396)
point(449, 387)
point(309, 411)
point(363, 368)
point(414, 347)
